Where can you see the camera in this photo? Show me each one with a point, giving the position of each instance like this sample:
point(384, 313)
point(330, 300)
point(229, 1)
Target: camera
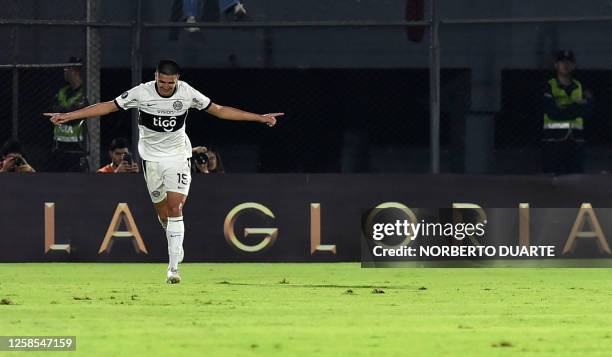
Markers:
point(19, 161)
point(201, 158)
point(128, 158)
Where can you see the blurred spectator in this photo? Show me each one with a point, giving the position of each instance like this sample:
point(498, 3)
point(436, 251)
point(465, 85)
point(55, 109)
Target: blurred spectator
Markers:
point(13, 159)
point(415, 11)
point(70, 139)
point(207, 161)
point(188, 10)
point(121, 159)
point(190, 13)
point(566, 104)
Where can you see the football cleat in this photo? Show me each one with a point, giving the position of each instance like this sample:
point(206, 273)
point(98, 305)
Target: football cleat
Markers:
point(173, 276)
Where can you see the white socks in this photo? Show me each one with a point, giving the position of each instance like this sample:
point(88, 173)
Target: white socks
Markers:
point(164, 224)
point(175, 232)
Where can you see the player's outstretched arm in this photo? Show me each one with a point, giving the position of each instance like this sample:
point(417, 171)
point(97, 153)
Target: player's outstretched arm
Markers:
point(95, 110)
point(230, 113)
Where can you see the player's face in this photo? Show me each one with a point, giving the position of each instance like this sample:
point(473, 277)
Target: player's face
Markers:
point(166, 83)
point(117, 155)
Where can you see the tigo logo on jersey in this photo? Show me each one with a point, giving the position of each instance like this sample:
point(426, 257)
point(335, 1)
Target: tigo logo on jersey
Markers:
point(166, 124)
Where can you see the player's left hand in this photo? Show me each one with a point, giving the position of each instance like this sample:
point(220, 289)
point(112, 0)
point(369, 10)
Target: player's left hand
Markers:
point(270, 118)
point(57, 118)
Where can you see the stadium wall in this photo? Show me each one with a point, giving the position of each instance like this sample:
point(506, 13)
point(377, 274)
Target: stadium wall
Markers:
point(485, 49)
point(486, 46)
point(303, 218)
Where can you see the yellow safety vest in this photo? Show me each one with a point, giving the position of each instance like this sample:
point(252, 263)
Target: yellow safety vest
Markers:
point(563, 100)
point(71, 132)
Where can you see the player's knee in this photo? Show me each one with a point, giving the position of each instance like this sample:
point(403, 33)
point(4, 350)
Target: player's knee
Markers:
point(175, 210)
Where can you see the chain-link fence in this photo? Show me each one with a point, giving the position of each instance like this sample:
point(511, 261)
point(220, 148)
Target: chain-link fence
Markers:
point(67, 83)
point(53, 64)
point(373, 117)
point(358, 93)
point(513, 62)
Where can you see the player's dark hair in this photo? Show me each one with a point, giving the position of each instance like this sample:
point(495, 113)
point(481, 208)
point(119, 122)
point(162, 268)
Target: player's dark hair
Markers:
point(118, 143)
point(168, 67)
point(12, 146)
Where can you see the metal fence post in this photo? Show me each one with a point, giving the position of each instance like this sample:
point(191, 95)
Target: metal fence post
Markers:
point(93, 83)
point(434, 89)
point(136, 72)
point(15, 79)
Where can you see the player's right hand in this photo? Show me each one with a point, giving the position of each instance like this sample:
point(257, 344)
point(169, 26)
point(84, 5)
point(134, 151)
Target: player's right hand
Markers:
point(57, 118)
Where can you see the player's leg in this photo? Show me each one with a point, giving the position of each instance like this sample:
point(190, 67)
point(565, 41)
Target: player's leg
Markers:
point(175, 231)
point(162, 216)
point(162, 213)
point(177, 179)
point(154, 176)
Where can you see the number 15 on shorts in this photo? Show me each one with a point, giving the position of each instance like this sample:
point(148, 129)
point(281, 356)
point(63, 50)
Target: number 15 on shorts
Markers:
point(183, 179)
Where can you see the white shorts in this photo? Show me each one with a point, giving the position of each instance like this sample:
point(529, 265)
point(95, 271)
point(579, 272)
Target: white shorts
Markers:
point(163, 177)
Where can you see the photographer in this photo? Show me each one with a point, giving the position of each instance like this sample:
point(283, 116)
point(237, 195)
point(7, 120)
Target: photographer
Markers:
point(121, 159)
point(206, 161)
point(12, 158)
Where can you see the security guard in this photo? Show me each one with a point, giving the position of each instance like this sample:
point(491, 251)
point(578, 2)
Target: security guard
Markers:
point(566, 104)
point(70, 140)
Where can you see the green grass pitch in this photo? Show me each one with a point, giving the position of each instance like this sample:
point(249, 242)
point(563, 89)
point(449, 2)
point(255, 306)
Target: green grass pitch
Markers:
point(334, 309)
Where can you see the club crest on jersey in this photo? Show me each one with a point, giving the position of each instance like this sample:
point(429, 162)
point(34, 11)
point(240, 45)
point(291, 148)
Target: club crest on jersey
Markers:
point(178, 105)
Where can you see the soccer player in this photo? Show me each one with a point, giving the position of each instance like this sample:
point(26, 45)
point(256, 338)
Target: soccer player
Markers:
point(163, 145)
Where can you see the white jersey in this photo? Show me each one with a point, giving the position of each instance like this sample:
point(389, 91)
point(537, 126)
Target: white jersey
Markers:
point(162, 120)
